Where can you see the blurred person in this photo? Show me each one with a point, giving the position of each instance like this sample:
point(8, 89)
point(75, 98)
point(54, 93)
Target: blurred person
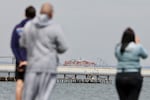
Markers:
point(20, 53)
point(128, 53)
point(43, 40)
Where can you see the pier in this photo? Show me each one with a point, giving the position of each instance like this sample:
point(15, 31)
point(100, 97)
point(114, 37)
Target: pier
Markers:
point(73, 74)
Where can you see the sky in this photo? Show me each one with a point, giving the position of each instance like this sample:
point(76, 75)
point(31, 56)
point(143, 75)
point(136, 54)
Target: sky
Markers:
point(92, 27)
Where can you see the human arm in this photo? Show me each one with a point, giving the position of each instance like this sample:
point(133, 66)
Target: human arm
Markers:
point(61, 45)
point(15, 45)
point(143, 52)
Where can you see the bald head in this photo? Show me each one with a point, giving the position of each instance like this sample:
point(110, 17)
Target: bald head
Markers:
point(47, 9)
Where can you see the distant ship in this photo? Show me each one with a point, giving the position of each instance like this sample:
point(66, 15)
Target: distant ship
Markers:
point(84, 63)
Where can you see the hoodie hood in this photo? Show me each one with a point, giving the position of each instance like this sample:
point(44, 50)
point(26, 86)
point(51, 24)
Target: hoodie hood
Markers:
point(42, 21)
point(131, 46)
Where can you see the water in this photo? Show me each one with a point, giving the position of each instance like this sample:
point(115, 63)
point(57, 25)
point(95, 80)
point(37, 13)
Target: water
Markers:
point(77, 91)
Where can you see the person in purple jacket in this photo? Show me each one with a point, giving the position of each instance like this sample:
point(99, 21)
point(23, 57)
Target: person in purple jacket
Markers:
point(20, 53)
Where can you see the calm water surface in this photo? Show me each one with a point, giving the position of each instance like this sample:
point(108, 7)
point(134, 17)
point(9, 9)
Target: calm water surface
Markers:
point(78, 91)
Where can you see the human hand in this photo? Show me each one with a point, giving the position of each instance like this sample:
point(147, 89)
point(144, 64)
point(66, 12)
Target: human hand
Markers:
point(137, 40)
point(22, 65)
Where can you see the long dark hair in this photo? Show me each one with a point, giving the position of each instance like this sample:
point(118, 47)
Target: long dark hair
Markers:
point(128, 36)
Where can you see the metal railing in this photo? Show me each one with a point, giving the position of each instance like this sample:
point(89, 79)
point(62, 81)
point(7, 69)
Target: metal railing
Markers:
point(7, 60)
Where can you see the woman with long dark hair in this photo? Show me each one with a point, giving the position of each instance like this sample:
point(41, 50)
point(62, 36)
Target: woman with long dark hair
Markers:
point(128, 53)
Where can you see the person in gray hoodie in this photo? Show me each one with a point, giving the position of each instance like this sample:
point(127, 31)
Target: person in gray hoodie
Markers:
point(128, 53)
point(44, 40)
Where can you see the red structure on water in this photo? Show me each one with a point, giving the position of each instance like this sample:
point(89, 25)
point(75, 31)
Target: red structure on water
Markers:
point(79, 63)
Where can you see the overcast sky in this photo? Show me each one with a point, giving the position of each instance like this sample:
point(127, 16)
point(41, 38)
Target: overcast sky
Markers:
point(92, 27)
